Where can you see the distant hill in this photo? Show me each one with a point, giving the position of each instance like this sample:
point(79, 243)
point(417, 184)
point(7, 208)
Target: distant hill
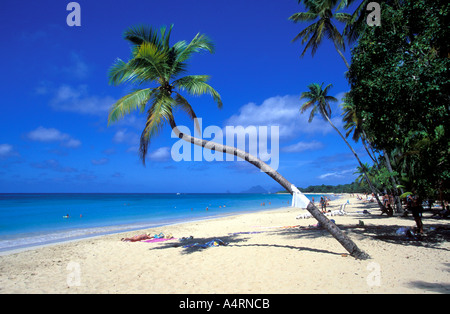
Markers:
point(256, 189)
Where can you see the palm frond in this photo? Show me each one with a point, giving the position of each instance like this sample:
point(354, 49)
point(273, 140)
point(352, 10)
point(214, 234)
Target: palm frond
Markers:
point(343, 17)
point(199, 43)
point(142, 33)
point(304, 34)
point(137, 71)
point(119, 72)
point(159, 113)
point(184, 105)
point(326, 89)
point(303, 16)
point(128, 103)
point(154, 59)
point(356, 25)
point(196, 85)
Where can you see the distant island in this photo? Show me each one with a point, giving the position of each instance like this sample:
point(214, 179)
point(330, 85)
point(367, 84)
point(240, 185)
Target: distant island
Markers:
point(255, 189)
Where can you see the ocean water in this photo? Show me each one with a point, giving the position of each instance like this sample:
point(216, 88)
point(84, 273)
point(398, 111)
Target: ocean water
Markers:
point(36, 219)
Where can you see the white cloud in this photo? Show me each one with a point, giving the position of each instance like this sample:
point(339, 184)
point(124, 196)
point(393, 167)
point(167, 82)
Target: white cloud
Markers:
point(68, 98)
point(161, 154)
point(123, 136)
point(42, 134)
point(336, 174)
point(78, 69)
point(283, 111)
point(6, 150)
point(302, 146)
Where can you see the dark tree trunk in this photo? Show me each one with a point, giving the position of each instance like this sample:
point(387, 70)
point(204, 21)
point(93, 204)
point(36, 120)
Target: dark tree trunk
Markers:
point(343, 239)
point(394, 183)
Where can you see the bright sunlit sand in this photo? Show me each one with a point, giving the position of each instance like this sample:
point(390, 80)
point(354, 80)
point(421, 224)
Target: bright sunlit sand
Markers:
point(267, 252)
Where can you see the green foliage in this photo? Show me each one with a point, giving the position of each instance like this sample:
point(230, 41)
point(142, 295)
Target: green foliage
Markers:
point(320, 11)
point(400, 80)
point(353, 187)
point(154, 62)
point(317, 101)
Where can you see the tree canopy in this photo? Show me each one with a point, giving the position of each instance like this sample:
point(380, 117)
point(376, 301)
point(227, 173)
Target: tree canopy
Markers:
point(399, 77)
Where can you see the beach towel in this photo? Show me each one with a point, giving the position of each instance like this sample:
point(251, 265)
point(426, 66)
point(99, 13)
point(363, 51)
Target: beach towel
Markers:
point(211, 243)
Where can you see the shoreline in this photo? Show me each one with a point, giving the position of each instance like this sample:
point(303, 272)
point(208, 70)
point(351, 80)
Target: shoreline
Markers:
point(70, 235)
point(127, 230)
point(268, 252)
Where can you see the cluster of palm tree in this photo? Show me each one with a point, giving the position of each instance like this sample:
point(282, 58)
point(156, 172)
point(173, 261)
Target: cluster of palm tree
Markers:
point(320, 12)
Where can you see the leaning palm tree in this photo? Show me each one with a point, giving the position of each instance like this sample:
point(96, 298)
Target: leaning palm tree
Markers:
point(320, 10)
point(156, 64)
point(318, 100)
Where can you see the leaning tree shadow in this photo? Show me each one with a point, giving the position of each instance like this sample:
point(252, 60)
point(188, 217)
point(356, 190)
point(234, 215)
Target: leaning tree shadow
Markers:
point(196, 244)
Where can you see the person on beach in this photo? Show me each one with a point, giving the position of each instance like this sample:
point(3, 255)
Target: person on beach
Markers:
point(387, 202)
point(138, 238)
point(323, 204)
point(417, 210)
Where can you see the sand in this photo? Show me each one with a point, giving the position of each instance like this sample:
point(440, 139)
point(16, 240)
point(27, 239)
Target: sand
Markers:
point(264, 255)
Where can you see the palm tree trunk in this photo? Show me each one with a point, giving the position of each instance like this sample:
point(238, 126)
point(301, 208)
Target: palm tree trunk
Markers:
point(368, 153)
point(394, 182)
point(343, 239)
point(372, 188)
point(342, 55)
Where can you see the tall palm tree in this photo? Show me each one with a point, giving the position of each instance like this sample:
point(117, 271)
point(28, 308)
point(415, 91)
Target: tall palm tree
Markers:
point(353, 123)
point(314, 33)
point(356, 23)
point(154, 61)
point(360, 170)
point(318, 100)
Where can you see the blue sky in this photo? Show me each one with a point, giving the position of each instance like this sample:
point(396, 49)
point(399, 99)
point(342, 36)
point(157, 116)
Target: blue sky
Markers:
point(55, 97)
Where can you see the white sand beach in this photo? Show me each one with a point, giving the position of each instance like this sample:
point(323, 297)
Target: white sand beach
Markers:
point(266, 253)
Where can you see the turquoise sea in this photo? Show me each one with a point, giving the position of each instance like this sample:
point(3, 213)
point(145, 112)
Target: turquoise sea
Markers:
point(36, 219)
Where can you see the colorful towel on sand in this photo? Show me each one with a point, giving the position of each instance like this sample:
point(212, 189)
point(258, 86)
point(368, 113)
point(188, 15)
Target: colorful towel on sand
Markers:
point(158, 240)
point(215, 242)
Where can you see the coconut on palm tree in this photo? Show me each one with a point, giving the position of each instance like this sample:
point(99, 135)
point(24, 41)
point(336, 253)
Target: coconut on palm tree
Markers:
point(160, 68)
point(318, 100)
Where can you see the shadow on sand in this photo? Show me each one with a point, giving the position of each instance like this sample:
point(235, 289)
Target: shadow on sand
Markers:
point(433, 237)
point(240, 240)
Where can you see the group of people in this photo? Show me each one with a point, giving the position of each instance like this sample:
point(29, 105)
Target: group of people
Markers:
point(388, 201)
point(324, 202)
point(366, 198)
